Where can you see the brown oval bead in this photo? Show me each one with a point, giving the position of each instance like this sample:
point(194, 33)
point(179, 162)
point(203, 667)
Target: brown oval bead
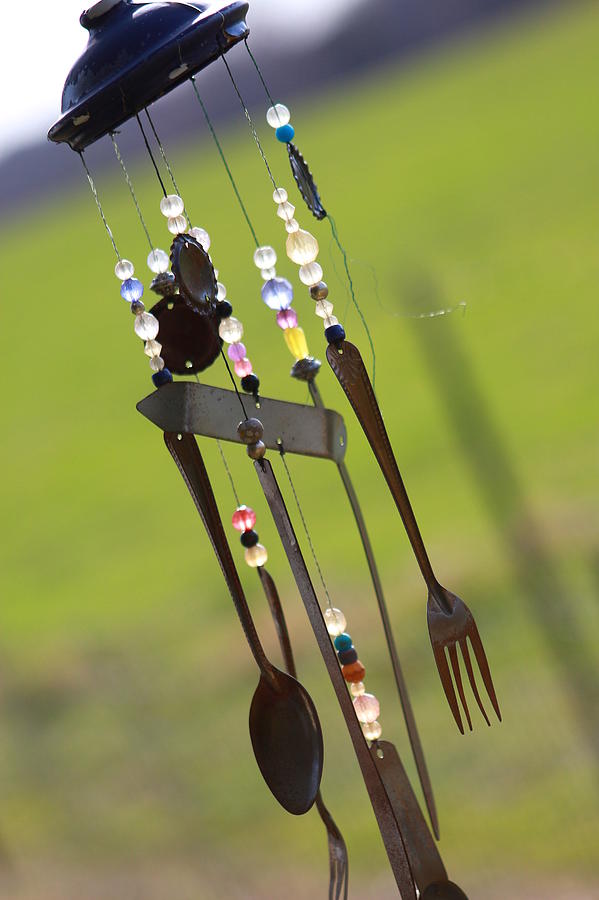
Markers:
point(354, 672)
point(257, 450)
point(250, 431)
point(319, 291)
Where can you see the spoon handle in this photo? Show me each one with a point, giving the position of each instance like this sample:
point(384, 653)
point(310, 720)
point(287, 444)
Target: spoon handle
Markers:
point(186, 453)
point(347, 364)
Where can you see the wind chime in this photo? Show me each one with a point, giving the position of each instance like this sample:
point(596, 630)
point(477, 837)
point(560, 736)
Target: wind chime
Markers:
point(137, 52)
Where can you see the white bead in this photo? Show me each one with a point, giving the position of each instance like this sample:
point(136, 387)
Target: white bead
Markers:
point(285, 210)
point(323, 308)
point(311, 273)
point(367, 708)
point(279, 195)
point(302, 247)
point(124, 269)
point(221, 291)
point(335, 621)
point(357, 688)
point(157, 364)
point(330, 320)
point(171, 206)
point(372, 731)
point(265, 257)
point(291, 226)
point(146, 326)
point(158, 261)
point(277, 115)
point(177, 224)
point(152, 348)
point(201, 236)
point(231, 330)
point(256, 556)
point(267, 274)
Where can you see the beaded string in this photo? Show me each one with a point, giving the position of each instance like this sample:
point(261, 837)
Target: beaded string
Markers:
point(131, 189)
point(165, 160)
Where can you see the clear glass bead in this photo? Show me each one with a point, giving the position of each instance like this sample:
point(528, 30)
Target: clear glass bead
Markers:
point(367, 708)
point(267, 274)
point(277, 293)
point(277, 115)
point(302, 247)
point(357, 689)
point(177, 224)
point(256, 556)
point(295, 340)
point(153, 348)
point(310, 274)
point(146, 326)
point(323, 308)
point(236, 351)
point(265, 257)
point(291, 226)
point(171, 206)
point(157, 364)
point(158, 261)
point(201, 236)
point(221, 291)
point(335, 621)
point(124, 269)
point(285, 211)
point(372, 731)
point(279, 195)
point(231, 330)
point(330, 320)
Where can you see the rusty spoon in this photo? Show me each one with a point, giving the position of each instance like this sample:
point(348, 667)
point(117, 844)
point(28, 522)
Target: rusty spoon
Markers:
point(284, 728)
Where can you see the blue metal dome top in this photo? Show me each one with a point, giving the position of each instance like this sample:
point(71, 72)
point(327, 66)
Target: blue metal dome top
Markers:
point(138, 51)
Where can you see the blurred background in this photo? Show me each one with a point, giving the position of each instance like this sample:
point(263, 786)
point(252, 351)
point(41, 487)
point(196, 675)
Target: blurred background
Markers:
point(456, 146)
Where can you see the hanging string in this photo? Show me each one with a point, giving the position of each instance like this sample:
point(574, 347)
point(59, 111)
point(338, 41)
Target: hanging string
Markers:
point(224, 460)
point(151, 155)
point(166, 162)
point(98, 204)
point(305, 526)
point(131, 189)
point(239, 397)
point(260, 75)
point(225, 163)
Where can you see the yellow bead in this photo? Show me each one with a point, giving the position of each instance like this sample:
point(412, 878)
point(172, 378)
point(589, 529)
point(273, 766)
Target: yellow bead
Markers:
point(335, 621)
point(357, 689)
point(302, 247)
point(296, 341)
point(256, 556)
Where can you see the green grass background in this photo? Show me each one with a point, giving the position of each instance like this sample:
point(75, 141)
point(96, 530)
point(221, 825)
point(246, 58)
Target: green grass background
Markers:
point(125, 763)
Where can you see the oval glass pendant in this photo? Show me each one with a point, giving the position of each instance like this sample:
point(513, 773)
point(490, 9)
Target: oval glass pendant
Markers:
point(190, 341)
point(305, 182)
point(194, 272)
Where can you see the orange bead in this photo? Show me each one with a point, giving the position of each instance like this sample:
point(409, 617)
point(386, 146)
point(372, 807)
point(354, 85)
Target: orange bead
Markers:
point(354, 672)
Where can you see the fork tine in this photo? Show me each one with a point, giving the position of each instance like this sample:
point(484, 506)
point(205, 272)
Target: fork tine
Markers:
point(455, 665)
point(445, 676)
point(483, 665)
point(467, 662)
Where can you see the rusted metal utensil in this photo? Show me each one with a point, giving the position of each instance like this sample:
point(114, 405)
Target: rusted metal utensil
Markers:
point(338, 864)
point(450, 622)
point(284, 728)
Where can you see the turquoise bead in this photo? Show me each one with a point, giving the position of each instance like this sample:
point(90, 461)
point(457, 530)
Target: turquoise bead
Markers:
point(343, 642)
point(285, 133)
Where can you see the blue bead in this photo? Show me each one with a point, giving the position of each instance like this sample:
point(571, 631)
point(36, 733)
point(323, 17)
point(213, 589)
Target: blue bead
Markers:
point(285, 133)
point(277, 293)
point(162, 377)
point(132, 289)
point(343, 642)
point(334, 334)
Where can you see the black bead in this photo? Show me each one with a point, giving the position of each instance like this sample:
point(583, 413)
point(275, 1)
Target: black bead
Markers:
point(335, 334)
point(347, 657)
point(250, 383)
point(223, 309)
point(249, 538)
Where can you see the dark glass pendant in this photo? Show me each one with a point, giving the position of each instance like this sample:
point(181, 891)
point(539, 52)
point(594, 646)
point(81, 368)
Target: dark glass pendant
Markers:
point(305, 182)
point(194, 272)
point(190, 341)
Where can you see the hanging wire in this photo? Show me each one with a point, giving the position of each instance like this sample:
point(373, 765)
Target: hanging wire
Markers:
point(225, 163)
point(305, 526)
point(151, 155)
point(131, 189)
point(239, 397)
point(166, 162)
point(260, 75)
point(98, 204)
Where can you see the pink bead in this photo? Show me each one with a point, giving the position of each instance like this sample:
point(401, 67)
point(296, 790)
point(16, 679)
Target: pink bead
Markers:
point(244, 518)
point(367, 708)
point(243, 367)
point(236, 351)
point(287, 318)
